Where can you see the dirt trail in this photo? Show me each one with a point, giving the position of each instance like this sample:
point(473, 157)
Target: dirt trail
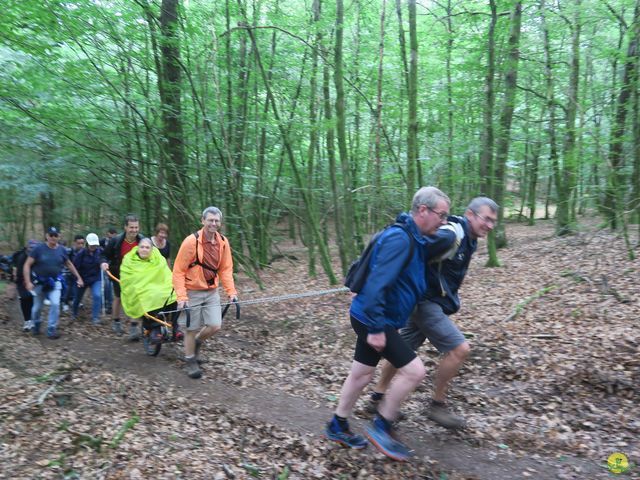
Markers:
point(302, 416)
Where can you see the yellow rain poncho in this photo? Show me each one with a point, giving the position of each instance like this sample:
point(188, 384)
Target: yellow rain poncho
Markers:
point(145, 284)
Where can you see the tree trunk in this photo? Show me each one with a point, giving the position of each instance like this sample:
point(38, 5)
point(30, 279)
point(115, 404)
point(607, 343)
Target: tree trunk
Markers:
point(180, 214)
point(566, 176)
point(614, 191)
point(497, 238)
point(341, 133)
point(412, 132)
point(486, 155)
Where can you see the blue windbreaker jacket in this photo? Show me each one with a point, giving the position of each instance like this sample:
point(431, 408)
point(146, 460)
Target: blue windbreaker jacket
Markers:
point(389, 294)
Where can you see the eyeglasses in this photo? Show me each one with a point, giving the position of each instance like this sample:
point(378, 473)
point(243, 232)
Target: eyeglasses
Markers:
point(442, 215)
point(489, 221)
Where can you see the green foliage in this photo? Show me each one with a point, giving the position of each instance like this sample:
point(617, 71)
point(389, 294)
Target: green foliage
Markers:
point(81, 114)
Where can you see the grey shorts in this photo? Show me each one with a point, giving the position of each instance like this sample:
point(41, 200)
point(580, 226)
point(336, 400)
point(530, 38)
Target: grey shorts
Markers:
point(428, 321)
point(205, 309)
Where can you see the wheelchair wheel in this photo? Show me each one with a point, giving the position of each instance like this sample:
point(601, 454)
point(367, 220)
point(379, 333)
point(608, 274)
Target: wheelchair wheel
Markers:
point(151, 349)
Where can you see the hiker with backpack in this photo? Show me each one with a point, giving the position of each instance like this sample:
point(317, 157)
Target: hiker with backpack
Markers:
point(430, 320)
point(395, 283)
point(203, 263)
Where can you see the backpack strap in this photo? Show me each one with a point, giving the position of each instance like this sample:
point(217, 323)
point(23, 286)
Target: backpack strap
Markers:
point(203, 265)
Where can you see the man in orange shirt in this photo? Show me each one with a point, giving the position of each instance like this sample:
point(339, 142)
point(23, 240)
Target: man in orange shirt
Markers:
point(203, 261)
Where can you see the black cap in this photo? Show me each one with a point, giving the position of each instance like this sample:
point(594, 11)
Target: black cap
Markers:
point(53, 231)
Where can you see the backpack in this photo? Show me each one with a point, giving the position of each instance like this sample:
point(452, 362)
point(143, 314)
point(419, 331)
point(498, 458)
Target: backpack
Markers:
point(359, 270)
point(204, 265)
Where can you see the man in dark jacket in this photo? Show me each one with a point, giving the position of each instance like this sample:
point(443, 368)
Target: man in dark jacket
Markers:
point(87, 261)
point(431, 317)
point(383, 305)
point(117, 248)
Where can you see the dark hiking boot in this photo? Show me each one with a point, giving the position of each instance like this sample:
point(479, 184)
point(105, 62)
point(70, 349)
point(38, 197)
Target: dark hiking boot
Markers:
point(193, 370)
point(439, 413)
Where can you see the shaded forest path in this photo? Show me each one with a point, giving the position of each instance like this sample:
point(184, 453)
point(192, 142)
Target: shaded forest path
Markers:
point(265, 404)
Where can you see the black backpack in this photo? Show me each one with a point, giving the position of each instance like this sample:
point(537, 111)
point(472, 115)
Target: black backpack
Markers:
point(359, 270)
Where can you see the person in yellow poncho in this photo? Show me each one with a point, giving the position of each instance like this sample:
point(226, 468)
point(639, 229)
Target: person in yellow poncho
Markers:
point(146, 285)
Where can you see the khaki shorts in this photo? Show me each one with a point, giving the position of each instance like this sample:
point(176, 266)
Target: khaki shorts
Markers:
point(205, 309)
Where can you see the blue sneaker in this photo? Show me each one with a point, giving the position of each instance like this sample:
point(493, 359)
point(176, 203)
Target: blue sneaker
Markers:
point(344, 437)
point(384, 442)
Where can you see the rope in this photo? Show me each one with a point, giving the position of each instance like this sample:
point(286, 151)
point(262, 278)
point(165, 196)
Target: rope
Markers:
point(278, 298)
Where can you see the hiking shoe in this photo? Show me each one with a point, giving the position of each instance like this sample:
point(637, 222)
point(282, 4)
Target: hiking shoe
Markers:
point(345, 438)
point(53, 336)
point(65, 308)
point(385, 443)
point(116, 326)
point(28, 325)
point(134, 332)
point(179, 336)
point(95, 321)
point(440, 414)
point(193, 370)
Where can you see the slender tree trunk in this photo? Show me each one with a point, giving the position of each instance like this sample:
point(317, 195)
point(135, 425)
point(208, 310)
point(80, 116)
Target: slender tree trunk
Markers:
point(341, 133)
point(412, 132)
point(497, 237)
point(566, 178)
point(376, 204)
point(486, 155)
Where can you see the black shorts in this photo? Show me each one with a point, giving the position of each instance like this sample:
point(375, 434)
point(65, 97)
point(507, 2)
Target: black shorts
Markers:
point(116, 289)
point(396, 351)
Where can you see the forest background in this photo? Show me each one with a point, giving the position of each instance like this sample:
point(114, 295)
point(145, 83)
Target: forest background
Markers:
point(325, 114)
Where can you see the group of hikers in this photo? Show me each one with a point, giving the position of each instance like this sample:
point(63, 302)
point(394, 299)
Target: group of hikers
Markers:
point(143, 284)
point(414, 271)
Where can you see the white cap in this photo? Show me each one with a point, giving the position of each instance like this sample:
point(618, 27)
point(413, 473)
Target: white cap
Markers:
point(92, 239)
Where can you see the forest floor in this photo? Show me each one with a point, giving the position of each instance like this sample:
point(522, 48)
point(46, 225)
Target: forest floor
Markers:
point(550, 390)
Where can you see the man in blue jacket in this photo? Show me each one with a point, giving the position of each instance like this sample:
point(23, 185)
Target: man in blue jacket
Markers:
point(431, 317)
point(383, 306)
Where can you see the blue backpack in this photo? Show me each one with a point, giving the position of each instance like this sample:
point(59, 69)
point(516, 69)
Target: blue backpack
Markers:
point(358, 272)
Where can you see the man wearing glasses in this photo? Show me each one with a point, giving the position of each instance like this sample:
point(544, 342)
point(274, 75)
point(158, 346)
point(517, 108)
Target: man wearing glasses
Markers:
point(43, 278)
point(430, 320)
point(394, 285)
